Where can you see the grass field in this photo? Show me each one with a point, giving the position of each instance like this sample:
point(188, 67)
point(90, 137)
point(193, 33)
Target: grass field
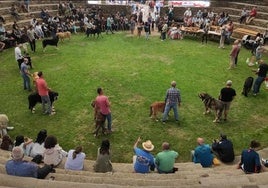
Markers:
point(134, 73)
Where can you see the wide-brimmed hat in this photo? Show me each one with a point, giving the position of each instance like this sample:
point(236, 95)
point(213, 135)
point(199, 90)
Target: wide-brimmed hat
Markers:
point(148, 146)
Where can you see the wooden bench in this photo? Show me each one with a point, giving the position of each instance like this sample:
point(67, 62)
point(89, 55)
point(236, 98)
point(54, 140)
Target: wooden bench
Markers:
point(244, 31)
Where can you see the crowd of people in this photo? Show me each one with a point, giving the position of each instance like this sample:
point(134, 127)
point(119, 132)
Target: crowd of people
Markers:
point(46, 149)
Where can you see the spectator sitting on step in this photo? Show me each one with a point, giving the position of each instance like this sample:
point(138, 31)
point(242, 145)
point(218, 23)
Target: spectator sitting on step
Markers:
point(165, 160)
point(53, 154)
point(38, 146)
point(202, 154)
point(252, 15)
point(243, 15)
point(2, 20)
point(14, 12)
point(103, 162)
point(75, 159)
point(7, 143)
point(223, 149)
point(143, 160)
point(4, 125)
point(24, 143)
point(250, 159)
point(19, 167)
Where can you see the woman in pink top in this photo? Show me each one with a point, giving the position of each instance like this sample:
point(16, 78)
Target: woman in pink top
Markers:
point(103, 103)
point(233, 54)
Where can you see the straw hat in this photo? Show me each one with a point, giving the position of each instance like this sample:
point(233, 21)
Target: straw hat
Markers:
point(148, 146)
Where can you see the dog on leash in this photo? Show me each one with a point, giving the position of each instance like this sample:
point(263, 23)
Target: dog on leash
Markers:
point(64, 35)
point(212, 104)
point(50, 42)
point(99, 120)
point(247, 86)
point(156, 108)
point(35, 98)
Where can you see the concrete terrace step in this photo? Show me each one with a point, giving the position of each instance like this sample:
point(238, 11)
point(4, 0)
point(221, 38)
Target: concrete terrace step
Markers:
point(238, 5)
point(237, 12)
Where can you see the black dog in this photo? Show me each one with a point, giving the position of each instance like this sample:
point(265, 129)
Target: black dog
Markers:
point(51, 42)
point(34, 98)
point(247, 86)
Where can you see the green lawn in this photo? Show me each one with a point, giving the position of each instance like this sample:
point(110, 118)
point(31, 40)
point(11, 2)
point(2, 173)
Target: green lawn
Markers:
point(134, 73)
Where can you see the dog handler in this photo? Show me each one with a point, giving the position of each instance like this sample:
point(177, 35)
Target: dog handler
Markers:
point(173, 100)
point(43, 90)
point(226, 96)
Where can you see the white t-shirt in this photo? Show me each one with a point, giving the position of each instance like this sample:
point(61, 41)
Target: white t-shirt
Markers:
point(77, 163)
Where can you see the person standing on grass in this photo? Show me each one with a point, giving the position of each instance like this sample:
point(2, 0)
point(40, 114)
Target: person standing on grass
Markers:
point(227, 95)
point(103, 103)
point(18, 55)
point(223, 35)
point(25, 73)
point(238, 50)
point(165, 159)
point(164, 30)
point(31, 37)
point(233, 54)
point(172, 100)
point(43, 91)
point(261, 72)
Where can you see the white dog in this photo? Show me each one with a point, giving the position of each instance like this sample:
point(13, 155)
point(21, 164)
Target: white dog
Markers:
point(4, 125)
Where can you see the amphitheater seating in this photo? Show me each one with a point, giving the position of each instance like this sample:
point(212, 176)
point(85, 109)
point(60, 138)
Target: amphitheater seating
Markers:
point(188, 175)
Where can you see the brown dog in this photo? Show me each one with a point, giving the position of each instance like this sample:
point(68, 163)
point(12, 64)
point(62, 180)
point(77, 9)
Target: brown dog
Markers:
point(64, 35)
point(155, 108)
point(99, 119)
point(212, 104)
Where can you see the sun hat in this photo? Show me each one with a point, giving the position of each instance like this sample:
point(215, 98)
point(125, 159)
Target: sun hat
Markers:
point(148, 146)
point(17, 153)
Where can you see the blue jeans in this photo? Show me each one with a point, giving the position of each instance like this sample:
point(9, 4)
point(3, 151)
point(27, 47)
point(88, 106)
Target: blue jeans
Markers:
point(26, 82)
point(109, 120)
point(46, 100)
point(257, 84)
point(168, 107)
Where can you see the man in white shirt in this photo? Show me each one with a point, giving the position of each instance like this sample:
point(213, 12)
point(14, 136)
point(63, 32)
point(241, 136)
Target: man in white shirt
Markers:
point(18, 55)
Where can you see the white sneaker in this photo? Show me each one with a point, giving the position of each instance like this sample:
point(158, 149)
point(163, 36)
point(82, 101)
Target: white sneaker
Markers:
point(10, 128)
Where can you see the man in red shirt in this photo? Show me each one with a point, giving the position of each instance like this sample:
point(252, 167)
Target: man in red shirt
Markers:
point(103, 103)
point(43, 91)
point(252, 15)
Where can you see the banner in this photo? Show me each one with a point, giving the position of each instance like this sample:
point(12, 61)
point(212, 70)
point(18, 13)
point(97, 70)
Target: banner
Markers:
point(189, 3)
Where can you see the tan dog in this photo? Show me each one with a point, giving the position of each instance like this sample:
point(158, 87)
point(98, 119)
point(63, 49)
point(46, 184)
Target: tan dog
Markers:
point(155, 108)
point(35, 77)
point(64, 35)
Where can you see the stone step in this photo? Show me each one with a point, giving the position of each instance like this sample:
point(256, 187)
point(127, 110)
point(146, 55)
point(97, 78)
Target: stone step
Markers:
point(33, 8)
point(237, 12)
point(238, 5)
point(256, 22)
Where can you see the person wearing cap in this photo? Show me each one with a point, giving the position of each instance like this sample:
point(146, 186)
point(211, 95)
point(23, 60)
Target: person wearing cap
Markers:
point(143, 159)
point(250, 159)
point(165, 159)
point(261, 72)
point(202, 154)
point(223, 148)
point(19, 167)
point(172, 100)
point(43, 91)
point(227, 95)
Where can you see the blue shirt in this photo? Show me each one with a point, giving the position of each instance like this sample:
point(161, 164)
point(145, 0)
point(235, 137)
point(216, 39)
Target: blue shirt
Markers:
point(21, 168)
point(144, 161)
point(203, 155)
point(250, 160)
